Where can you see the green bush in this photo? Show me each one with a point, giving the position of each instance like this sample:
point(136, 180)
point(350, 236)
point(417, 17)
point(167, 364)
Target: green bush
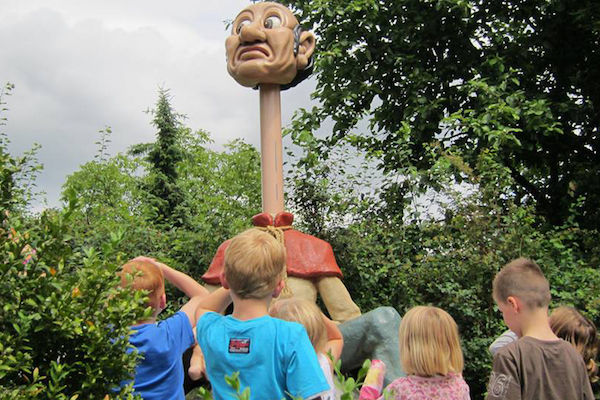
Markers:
point(64, 322)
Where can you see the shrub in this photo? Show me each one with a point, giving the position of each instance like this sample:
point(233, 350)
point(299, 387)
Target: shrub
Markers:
point(64, 322)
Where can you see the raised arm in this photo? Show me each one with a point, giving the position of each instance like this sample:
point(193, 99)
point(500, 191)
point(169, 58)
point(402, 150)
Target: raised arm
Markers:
point(217, 301)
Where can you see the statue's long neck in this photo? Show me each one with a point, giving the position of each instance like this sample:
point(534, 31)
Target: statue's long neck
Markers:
point(271, 152)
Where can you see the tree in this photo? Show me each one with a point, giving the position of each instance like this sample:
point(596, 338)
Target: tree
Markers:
point(520, 77)
point(223, 193)
point(163, 156)
point(109, 190)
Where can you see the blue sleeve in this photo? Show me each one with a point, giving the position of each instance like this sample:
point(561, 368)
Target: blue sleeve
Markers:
point(180, 332)
point(304, 376)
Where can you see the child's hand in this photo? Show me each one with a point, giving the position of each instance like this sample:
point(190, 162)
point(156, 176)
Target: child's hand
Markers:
point(145, 259)
point(150, 260)
point(335, 340)
point(197, 367)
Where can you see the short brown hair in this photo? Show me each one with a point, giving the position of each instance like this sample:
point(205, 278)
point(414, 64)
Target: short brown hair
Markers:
point(306, 313)
point(522, 278)
point(567, 323)
point(254, 264)
point(143, 275)
point(429, 342)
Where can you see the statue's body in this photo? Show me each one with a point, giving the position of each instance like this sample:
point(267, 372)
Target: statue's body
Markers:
point(311, 267)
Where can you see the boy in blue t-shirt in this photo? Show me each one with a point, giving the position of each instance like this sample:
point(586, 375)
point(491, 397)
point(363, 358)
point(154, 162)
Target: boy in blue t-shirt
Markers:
point(159, 375)
point(273, 357)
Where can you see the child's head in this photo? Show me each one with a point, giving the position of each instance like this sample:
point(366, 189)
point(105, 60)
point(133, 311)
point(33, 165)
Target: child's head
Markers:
point(429, 343)
point(143, 275)
point(306, 313)
point(568, 324)
point(254, 264)
point(519, 287)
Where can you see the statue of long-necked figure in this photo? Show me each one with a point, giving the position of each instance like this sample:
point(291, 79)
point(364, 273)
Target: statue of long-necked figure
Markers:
point(268, 50)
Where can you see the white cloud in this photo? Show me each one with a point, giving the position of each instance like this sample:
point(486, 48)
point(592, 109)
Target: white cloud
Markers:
point(79, 66)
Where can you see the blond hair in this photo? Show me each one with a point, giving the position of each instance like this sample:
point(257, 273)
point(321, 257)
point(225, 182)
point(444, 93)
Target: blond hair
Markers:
point(522, 278)
point(429, 343)
point(254, 264)
point(143, 275)
point(306, 313)
point(568, 324)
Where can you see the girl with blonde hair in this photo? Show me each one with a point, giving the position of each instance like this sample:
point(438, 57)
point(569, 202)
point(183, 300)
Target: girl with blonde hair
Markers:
point(324, 335)
point(431, 356)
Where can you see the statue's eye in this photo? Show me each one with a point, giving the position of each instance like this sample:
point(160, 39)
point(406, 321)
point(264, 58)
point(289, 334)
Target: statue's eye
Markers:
point(241, 24)
point(272, 22)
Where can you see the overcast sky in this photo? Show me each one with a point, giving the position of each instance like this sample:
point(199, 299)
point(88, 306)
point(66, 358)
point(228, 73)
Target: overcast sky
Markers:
point(81, 65)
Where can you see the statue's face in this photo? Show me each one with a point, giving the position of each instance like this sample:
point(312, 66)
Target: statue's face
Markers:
point(261, 46)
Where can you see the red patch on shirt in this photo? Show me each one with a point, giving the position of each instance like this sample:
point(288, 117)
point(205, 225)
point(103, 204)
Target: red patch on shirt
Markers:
point(239, 345)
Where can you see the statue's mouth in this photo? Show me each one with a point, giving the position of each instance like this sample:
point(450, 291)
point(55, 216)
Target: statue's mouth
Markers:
point(252, 52)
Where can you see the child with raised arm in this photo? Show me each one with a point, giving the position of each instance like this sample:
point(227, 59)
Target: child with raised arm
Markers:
point(274, 358)
point(323, 333)
point(538, 365)
point(431, 356)
point(159, 375)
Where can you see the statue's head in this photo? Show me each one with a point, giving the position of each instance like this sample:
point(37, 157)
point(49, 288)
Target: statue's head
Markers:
point(267, 45)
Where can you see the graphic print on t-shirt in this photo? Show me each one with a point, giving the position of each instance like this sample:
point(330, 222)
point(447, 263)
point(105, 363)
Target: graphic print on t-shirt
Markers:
point(239, 345)
point(499, 385)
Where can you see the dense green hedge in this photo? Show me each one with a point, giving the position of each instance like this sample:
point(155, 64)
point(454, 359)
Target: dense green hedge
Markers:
point(64, 322)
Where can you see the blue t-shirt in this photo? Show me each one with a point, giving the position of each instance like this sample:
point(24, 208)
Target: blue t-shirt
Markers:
point(159, 376)
point(274, 357)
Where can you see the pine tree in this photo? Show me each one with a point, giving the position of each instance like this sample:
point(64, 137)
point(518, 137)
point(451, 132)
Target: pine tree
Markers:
point(164, 156)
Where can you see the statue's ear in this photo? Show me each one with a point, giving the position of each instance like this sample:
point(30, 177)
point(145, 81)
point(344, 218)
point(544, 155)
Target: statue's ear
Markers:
point(305, 50)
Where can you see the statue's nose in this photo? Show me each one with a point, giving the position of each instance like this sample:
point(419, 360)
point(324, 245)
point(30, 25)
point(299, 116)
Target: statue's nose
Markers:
point(252, 33)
